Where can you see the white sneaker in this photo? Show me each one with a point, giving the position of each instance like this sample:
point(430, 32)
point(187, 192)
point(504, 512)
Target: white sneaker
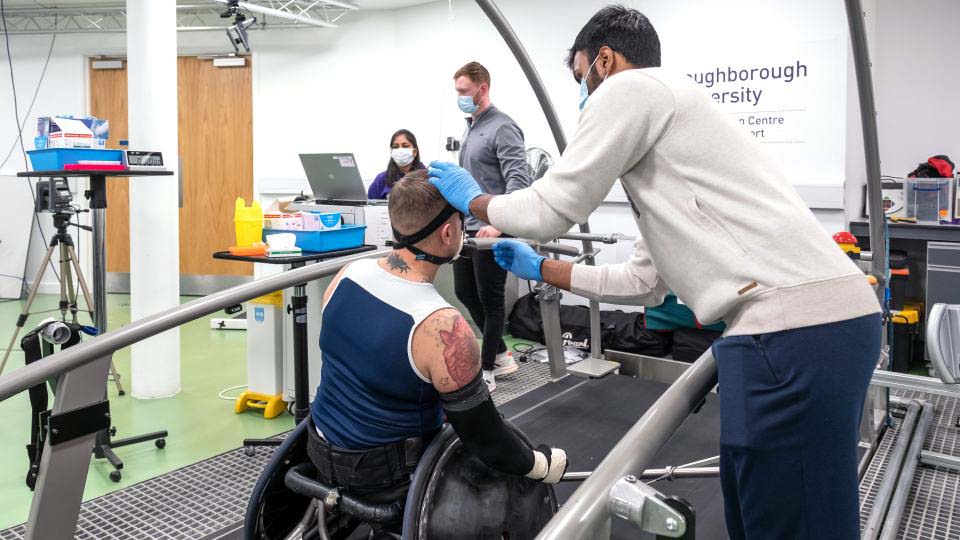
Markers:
point(490, 380)
point(504, 364)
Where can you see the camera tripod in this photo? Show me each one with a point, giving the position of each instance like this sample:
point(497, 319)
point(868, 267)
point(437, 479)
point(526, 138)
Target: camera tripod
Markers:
point(68, 292)
point(103, 448)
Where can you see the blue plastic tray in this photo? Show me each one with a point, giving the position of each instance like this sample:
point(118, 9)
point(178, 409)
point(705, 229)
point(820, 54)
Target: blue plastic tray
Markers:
point(54, 159)
point(346, 237)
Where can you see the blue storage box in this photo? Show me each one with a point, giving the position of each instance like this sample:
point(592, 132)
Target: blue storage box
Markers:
point(346, 237)
point(54, 159)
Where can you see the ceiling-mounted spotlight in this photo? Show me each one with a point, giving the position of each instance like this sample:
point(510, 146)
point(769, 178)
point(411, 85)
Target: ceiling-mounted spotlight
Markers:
point(237, 32)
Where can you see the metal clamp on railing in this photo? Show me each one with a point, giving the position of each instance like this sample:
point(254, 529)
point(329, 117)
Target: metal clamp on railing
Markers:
point(611, 238)
point(646, 508)
point(76, 423)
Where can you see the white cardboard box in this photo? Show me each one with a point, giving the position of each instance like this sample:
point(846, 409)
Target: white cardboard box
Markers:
point(283, 221)
point(314, 221)
point(70, 133)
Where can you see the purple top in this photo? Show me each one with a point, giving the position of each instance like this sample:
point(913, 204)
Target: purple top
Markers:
point(379, 188)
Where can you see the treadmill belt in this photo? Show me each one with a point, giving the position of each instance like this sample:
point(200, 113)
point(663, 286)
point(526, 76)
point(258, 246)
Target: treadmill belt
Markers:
point(587, 418)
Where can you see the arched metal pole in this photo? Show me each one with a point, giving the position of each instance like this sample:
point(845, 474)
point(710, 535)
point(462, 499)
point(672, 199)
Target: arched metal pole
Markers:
point(499, 21)
point(871, 143)
point(520, 53)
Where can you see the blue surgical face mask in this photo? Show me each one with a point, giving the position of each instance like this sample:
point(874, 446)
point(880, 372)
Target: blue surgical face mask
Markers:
point(584, 92)
point(466, 103)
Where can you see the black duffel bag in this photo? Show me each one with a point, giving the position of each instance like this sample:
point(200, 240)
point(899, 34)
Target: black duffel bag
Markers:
point(620, 331)
point(690, 343)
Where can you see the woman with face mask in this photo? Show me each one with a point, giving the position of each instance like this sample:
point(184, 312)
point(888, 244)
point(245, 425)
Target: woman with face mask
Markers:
point(404, 157)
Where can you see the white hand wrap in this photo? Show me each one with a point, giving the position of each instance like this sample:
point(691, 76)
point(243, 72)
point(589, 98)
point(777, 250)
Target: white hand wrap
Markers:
point(548, 470)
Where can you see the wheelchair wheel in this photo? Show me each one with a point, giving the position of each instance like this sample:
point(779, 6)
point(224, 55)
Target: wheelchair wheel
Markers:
point(274, 510)
point(454, 495)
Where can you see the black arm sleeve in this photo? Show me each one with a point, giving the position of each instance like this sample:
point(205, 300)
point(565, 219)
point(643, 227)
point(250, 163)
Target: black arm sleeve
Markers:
point(474, 417)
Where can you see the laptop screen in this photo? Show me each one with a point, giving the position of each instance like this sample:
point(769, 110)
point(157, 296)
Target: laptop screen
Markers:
point(333, 176)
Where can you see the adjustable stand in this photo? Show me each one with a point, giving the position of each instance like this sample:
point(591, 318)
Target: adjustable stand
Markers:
point(68, 293)
point(97, 194)
point(298, 307)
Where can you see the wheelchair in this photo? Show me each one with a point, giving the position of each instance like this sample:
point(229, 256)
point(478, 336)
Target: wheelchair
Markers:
point(452, 494)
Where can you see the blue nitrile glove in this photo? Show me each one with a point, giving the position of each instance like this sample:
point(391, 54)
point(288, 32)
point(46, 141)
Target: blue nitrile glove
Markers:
point(519, 259)
point(455, 184)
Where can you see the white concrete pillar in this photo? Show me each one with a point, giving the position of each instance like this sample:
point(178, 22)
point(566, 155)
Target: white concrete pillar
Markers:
point(154, 201)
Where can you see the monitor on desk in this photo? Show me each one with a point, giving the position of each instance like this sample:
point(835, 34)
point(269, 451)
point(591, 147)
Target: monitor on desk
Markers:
point(334, 178)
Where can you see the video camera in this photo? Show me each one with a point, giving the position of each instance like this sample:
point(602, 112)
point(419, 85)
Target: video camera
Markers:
point(237, 32)
point(53, 195)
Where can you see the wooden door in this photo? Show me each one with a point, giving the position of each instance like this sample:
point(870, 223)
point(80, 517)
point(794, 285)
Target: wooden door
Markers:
point(108, 99)
point(215, 129)
point(216, 148)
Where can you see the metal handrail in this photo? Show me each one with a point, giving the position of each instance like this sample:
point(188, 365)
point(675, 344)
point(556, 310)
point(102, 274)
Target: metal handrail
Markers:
point(586, 512)
point(104, 345)
point(548, 247)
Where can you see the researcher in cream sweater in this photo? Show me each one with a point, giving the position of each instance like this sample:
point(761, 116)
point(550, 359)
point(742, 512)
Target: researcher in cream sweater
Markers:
point(723, 229)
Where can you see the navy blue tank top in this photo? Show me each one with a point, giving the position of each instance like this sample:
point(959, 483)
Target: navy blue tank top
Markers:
point(371, 392)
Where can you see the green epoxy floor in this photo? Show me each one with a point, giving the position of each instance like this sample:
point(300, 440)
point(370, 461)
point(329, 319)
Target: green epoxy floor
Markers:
point(200, 424)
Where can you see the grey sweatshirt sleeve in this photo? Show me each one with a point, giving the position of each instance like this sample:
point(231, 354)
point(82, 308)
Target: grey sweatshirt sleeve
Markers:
point(511, 154)
point(623, 120)
point(634, 282)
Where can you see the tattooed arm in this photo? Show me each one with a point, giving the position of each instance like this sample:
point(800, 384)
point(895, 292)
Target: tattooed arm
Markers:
point(446, 351)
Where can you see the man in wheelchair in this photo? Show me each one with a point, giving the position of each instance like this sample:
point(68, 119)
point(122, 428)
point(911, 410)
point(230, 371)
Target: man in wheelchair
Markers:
point(397, 358)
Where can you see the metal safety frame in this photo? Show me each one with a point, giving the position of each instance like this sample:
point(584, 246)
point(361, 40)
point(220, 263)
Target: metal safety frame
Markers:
point(549, 295)
point(586, 514)
point(82, 370)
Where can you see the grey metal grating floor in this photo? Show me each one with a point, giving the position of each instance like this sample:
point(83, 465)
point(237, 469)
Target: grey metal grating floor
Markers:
point(932, 510)
point(944, 436)
point(191, 502)
point(875, 473)
point(531, 375)
point(211, 496)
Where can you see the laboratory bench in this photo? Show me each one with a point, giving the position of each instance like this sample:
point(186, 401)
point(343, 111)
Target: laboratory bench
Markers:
point(933, 261)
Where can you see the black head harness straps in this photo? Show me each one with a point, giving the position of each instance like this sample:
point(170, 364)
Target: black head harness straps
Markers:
point(407, 242)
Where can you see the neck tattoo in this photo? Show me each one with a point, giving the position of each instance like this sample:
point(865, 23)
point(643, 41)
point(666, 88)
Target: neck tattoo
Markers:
point(397, 264)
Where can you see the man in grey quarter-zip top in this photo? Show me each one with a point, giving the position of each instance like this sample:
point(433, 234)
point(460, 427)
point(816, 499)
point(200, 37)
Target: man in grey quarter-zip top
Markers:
point(493, 151)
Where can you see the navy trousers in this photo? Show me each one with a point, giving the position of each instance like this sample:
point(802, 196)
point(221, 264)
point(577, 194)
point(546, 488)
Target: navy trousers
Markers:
point(790, 408)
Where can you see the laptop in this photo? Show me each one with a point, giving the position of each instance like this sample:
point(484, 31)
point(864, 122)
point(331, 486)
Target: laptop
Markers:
point(334, 178)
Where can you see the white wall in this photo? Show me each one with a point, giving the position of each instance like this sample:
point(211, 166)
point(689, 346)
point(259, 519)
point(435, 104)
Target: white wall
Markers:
point(350, 88)
point(912, 47)
point(856, 174)
point(383, 70)
point(64, 91)
point(918, 82)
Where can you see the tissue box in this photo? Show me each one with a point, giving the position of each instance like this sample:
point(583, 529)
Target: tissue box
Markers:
point(321, 221)
point(283, 221)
